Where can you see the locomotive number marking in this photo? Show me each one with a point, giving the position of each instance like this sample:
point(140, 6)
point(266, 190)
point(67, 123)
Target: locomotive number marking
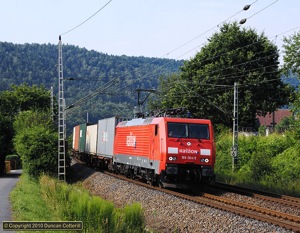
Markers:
point(189, 157)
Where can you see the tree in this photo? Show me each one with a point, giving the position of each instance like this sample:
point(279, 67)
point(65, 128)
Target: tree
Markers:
point(205, 86)
point(31, 97)
point(292, 64)
point(292, 61)
point(12, 102)
point(36, 142)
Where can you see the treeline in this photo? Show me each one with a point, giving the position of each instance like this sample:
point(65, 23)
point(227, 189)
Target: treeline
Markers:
point(84, 71)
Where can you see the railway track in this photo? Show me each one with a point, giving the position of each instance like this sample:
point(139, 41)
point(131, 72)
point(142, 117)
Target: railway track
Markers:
point(275, 198)
point(288, 221)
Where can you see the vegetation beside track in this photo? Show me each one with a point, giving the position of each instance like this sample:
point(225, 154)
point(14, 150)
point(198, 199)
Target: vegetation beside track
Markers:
point(269, 163)
point(52, 200)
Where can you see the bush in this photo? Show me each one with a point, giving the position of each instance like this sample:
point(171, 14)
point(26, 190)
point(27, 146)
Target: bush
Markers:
point(37, 147)
point(270, 163)
point(287, 164)
point(36, 143)
point(223, 159)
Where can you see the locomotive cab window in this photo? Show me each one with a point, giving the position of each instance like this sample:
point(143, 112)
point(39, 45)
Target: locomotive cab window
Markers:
point(198, 131)
point(177, 130)
point(183, 130)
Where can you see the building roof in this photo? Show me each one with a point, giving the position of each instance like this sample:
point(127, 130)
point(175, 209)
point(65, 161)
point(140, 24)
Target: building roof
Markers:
point(275, 117)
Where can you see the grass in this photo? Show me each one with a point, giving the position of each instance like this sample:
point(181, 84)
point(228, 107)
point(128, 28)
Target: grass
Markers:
point(27, 202)
point(52, 200)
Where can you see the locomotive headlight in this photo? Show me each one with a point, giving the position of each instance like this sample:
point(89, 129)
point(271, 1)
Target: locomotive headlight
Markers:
point(204, 160)
point(172, 158)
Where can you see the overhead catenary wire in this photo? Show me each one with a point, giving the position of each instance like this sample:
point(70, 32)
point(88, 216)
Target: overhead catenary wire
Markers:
point(94, 93)
point(130, 83)
point(137, 79)
point(208, 59)
point(203, 33)
point(72, 29)
point(245, 19)
point(243, 47)
point(193, 39)
point(218, 71)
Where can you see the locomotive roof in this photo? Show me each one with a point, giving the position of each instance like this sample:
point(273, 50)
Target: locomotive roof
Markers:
point(136, 121)
point(148, 121)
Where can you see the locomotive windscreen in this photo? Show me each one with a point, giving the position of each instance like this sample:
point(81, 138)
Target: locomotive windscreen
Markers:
point(183, 130)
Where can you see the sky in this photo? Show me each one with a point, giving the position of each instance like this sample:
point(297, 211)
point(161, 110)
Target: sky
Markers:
point(174, 29)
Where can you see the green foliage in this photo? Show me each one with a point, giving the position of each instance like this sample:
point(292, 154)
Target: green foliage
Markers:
point(287, 164)
point(267, 162)
point(27, 202)
point(18, 99)
point(224, 160)
point(285, 124)
point(37, 147)
point(37, 64)
point(291, 49)
point(72, 203)
point(8, 104)
point(51, 200)
point(234, 54)
point(36, 143)
point(132, 218)
point(262, 130)
point(292, 63)
point(166, 85)
point(29, 119)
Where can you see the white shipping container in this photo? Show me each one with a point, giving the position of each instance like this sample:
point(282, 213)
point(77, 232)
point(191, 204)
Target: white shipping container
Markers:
point(91, 139)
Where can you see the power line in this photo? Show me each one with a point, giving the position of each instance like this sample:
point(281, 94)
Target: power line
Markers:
point(130, 83)
point(215, 57)
point(244, 9)
point(86, 19)
point(245, 19)
point(94, 93)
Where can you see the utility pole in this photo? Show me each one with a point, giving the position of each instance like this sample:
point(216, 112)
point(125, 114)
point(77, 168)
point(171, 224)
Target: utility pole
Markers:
point(61, 118)
point(234, 149)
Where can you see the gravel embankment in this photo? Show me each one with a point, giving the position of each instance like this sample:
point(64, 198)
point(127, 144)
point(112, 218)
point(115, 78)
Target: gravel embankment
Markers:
point(166, 213)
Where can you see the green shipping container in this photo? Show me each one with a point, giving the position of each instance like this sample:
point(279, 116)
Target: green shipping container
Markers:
point(82, 137)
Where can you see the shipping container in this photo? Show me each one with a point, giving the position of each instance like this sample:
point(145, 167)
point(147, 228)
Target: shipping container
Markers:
point(75, 144)
point(91, 139)
point(106, 133)
point(82, 138)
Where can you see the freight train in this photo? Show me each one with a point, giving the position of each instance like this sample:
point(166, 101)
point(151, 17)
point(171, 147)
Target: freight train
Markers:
point(170, 152)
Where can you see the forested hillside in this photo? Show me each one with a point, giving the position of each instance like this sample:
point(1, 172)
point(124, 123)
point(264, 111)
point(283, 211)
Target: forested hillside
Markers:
point(85, 71)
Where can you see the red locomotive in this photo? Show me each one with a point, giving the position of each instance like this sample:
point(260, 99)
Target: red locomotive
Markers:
point(172, 152)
